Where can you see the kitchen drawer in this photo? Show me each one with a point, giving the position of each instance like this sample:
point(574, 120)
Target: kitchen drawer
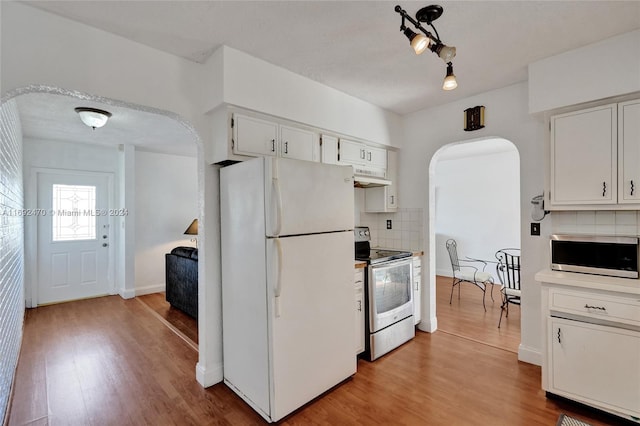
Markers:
point(359, 279)
point(601, 307)
point(417, 265)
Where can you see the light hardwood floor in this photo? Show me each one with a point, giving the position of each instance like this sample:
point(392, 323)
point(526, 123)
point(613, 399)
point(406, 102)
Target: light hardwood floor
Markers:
point(466, 318)
point(110, 361)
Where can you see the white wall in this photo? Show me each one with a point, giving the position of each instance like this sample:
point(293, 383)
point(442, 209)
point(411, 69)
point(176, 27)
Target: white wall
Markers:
point(507, 116)
point(597, 71)
point(477, 204)
point(166, 203)
point(301, 99)
point(12, 264)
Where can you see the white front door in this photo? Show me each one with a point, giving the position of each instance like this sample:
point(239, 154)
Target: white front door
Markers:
point(73, 236)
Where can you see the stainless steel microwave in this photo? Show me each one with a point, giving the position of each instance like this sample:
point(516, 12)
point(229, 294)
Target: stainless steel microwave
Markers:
point(615, 256)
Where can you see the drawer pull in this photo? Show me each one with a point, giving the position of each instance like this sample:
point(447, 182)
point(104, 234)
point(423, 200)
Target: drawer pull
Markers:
point(601, 308)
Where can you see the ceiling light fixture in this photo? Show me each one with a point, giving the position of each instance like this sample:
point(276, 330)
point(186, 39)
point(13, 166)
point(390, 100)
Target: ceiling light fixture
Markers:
point(450, 82)
point(420, 42)
point(93, 117)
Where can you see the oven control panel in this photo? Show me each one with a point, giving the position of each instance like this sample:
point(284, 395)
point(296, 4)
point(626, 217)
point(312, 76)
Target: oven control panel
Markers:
point(361, 233)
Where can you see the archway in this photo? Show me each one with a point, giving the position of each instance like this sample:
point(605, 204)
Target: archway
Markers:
point(474, 197)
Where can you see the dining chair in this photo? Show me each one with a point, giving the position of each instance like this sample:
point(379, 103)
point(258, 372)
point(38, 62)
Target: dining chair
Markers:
point(508, 271)
point(465, 272)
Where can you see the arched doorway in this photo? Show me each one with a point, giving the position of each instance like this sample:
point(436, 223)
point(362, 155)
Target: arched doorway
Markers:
point(56, 141)
point(474, 189)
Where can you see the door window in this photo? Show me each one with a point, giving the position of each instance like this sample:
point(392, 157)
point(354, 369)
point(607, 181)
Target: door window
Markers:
point(74, 212)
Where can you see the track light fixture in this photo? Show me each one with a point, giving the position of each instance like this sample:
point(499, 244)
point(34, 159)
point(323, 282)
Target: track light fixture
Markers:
point(420, 42)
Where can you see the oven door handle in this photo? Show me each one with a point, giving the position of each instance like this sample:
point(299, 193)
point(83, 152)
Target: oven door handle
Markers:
point(277, 290)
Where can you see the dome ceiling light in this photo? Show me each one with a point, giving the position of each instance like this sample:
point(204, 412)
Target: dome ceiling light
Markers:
point(93, 117)
point(420, 42)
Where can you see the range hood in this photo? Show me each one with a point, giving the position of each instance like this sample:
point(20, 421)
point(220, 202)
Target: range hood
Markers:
point(368, 178)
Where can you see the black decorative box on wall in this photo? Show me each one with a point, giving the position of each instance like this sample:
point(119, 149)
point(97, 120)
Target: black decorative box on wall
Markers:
point(474, 118)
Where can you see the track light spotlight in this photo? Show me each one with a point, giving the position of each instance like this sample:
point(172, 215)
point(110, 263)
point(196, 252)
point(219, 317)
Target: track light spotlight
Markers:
point(420, 42)
point(445, 53)
point(450, 82)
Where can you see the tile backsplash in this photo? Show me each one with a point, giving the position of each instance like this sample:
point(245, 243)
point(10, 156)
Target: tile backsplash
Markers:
point(406, 232)
point(596, 222)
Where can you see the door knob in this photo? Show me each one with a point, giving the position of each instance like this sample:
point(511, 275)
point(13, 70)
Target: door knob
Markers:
point(105, 245)
point(105, 236)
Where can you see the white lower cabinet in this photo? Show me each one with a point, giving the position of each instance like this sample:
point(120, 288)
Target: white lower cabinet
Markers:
point(595, 364)
point(591, 350)
point(359, 322)
point(417, 288)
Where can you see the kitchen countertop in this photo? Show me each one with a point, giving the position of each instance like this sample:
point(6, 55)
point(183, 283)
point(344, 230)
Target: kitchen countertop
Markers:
point(595, 282)
point(360, 264)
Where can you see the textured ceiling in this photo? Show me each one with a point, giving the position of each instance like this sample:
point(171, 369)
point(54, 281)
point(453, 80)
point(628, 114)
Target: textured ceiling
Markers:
point(356, 46)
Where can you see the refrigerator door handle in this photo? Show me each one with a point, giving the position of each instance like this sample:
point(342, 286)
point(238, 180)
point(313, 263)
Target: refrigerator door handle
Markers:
point(278, 195)
point(278, 287)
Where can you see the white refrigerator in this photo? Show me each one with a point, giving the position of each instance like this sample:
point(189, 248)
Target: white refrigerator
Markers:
point(287, 281)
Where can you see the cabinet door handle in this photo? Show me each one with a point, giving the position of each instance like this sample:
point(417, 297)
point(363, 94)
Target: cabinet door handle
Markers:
point(632, 187)
point(559, 340)
point(369, 156)
point(359, 305)
point(600, 308)
point(273, 145)
point(362, 154)
point(604, 188)
point(286, 147)
point(392, 199)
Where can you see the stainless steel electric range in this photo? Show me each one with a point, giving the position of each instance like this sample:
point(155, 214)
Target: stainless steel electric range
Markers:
point(389, 295)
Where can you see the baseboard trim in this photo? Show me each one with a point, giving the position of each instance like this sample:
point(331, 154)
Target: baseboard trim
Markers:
point(529, 355)
point(127, 294)
point(157, 288)
point(209, 377)
point(429, 325)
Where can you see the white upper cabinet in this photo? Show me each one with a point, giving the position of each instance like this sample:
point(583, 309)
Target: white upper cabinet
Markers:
point(360, 154)
point(629, 152)
point(377, 157)
point(352, 152)
point(253, 136)
point(299, 144)
point(595, 158)
point(584, 157)
point(384, 199)
point(257, 137)
point(329, 149)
